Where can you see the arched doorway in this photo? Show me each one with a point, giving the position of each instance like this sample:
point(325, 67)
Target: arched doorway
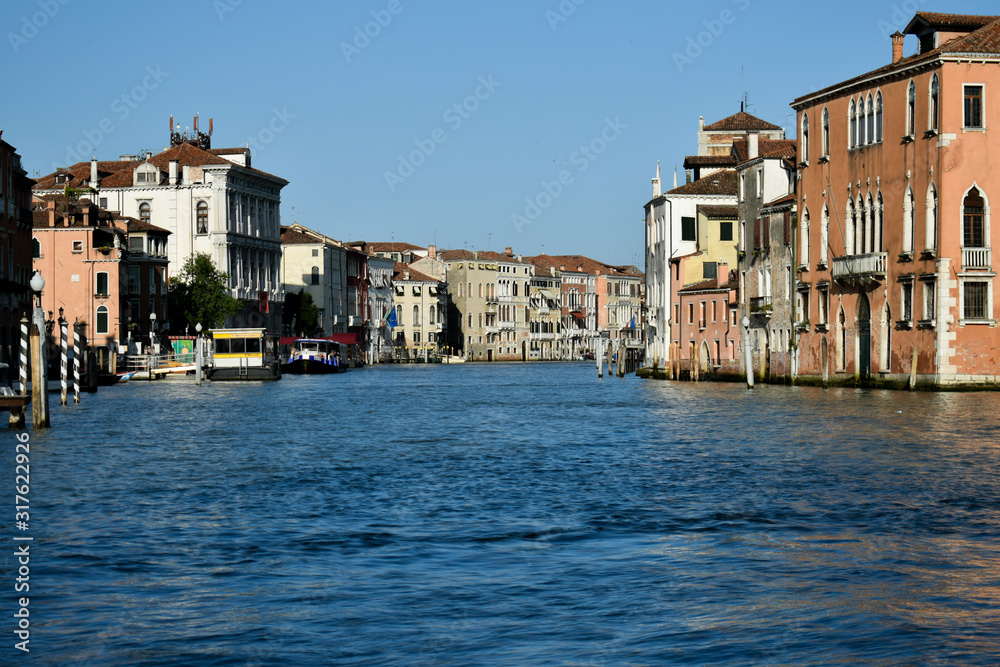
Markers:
point(705, 358)
point(864, 339)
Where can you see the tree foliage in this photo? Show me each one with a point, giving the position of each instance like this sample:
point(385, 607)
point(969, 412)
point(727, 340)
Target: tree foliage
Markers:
point(300, 316)
point(200, 293)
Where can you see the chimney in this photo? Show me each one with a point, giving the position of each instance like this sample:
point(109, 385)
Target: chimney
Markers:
point(509, 251)
point(552, 271)
point(675, 177)
point(432, 251)
point(173, 172)
point(687, 176)
point(753, 145)
point(657, 187)
point(722, 274)
point(186, 174)
point(701, 123)
point(897, 47)
point(406, 275)
point(93, 172)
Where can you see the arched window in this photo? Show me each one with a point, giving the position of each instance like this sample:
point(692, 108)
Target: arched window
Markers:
point(842, 340)
point(930, 242)
point(871, 121)
point(853, 132)
point(861, 230)
point(824, 236)
point(804, 238)
point(470, 320)
point(461, 290)
point(470, 296)
point(908, 214)
point(872, 217)
point(974, 220)
point(480, 320)
point(102, 320)
point(935, 106)
point(805, 137)
point(879, 223)
point(878, 117)
point(852, 227)
point(515, 288)
point(144, 212)
point(480, 292)
point(202, 217)
point(416, 316)
point(36, 249)
point(431, 312)
point(315, 275)
point(826, 132)
point(911, 110)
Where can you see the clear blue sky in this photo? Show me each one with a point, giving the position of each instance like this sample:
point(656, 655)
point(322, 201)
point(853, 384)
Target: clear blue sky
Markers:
point(334, 121)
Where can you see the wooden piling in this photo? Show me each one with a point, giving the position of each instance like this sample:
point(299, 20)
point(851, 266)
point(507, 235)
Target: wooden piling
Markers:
point(64, 359)
point(39, 376)
point(76, 362)
point(913, 370)
point(23, 367)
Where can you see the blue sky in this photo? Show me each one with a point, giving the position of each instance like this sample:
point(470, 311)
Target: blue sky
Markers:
point(563, 106)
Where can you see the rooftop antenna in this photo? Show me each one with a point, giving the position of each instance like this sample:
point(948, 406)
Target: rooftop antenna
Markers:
point(743, 90)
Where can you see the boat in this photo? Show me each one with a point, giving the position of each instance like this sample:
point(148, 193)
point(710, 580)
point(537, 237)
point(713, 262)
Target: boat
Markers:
point(452, 359)
point(316, 356)
point(244, 354)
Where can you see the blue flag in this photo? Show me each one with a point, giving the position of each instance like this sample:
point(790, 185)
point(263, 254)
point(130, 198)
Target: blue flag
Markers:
point(632, 323)
point(391, 320)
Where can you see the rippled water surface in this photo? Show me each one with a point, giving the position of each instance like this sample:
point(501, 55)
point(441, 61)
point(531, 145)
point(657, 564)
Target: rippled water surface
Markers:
point(513, 515)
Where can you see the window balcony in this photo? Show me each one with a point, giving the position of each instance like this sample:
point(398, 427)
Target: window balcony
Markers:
point(977, 258)
point(860, 269)
point(133, 288)
point(760, 305)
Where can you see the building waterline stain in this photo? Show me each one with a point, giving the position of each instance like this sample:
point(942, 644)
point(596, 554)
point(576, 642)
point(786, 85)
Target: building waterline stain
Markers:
point(522, 514)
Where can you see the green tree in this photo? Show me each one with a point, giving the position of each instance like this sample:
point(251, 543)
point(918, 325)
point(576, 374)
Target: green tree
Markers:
point(200, 294)
point(300, 315)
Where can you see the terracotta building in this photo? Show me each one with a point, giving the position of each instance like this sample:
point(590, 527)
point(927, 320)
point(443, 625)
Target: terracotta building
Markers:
point(895, 249)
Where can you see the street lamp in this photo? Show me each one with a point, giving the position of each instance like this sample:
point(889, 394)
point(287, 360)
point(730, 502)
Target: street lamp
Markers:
point(37, 285)
point(152, 324)
point(748, 356)
point(197, 354)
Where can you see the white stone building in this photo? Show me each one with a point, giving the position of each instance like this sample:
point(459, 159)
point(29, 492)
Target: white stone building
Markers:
point(211, 201)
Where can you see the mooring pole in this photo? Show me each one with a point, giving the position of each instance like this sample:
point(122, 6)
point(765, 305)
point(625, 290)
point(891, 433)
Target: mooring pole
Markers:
point(64, 359)
point(39, 376)
point(749, 352)
point(23, 366)
point(76, 361)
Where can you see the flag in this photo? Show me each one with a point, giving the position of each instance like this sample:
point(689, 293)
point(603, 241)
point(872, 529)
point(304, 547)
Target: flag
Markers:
point(391, 320)
point(632, 323)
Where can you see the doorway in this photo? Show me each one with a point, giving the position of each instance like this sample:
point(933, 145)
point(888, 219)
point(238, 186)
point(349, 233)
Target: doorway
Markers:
point(864, 340)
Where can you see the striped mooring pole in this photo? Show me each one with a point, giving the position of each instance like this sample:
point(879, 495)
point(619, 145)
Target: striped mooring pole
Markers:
point(64, 369)
point(23, 367)
point(76, 362)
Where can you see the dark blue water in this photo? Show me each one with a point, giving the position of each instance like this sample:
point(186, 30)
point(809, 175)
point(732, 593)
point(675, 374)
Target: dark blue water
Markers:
point(513, 515)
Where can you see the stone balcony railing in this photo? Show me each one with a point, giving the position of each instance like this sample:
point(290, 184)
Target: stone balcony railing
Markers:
point(860, 269)
point(977, 258)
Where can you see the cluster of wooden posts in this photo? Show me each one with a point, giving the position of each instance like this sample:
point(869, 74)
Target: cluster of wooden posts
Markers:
point(621, 359)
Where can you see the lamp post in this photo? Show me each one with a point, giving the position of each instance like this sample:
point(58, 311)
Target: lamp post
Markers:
point(152, 326)
point(197, 355)
point(749, 352)
point(39, 370)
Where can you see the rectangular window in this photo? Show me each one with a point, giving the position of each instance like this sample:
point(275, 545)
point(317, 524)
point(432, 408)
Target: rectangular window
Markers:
point(77, 246)
point(690, 313)
point(104, 203)
point(929, 312)
point(135, 244)
point(689, 230)
point(975, 301)
point(822, 307)
point(710, 271)
point(906, 302)
point(102, 283)
point(973, 106)
point(677, 313)
point(725, 231)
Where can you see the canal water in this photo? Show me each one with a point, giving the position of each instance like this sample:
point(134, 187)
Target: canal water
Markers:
point(512, 515)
